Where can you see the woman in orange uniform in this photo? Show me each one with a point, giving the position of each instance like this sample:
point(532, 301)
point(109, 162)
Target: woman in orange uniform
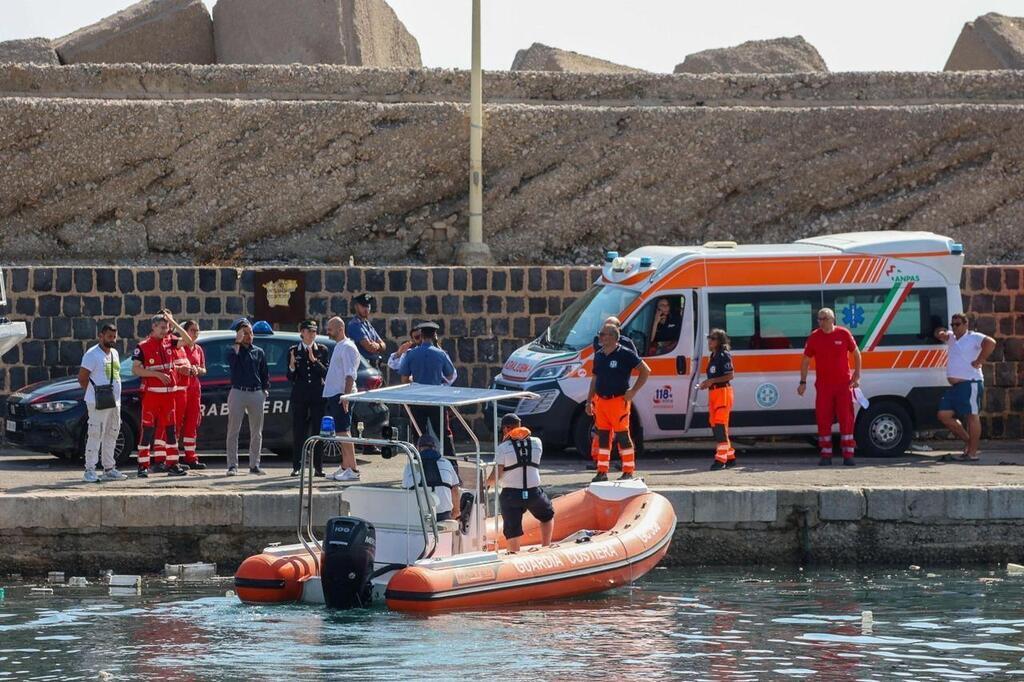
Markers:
point(719, 387)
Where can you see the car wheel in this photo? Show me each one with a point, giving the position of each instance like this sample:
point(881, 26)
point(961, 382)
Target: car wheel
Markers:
point(125, 444)
point(884, 429)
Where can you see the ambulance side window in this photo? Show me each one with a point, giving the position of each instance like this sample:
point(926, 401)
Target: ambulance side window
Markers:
point(656, 328)
point(765, 320)
point(913, 323)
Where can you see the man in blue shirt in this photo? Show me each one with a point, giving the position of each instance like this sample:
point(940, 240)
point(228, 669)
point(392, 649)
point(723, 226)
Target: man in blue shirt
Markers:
point(428, 364)
point(361, 331)
point(250, 387)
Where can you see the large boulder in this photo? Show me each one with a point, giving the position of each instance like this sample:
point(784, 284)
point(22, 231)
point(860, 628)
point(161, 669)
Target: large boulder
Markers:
point(540, 57)
point(28, 51)
point(779, 55)
point(990, 42)
point(153, 31)
point(353, 32)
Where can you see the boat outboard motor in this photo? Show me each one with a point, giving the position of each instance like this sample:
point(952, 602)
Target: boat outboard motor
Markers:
point(350, 546)
point(465, 512)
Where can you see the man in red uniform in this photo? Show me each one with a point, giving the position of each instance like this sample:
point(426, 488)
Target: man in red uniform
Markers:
point(830, 347)
point(153, 362)
point(188, 402)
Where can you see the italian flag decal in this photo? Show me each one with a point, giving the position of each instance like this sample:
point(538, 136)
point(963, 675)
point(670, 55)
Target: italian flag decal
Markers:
point(893, 302)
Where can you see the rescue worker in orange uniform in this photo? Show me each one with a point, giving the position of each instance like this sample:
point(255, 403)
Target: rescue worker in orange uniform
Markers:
point(610, 400)
point(153, 362)
point(623, 341)
point(720, 397)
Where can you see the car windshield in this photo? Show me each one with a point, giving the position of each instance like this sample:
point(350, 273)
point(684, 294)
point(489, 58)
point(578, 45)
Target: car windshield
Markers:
point(576, 328)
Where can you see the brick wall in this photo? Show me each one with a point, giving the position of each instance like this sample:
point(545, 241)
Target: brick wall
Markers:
point(485, 313)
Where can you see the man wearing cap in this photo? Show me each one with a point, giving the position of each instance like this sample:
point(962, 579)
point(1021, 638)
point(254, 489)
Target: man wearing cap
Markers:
point(307, 368)
point(517, 462)
point(250, 388)
point(441, 479)
point(339, 382)
point(361, 331)
point(428, 364)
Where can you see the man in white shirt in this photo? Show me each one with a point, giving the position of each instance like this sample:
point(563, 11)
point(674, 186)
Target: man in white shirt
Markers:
point(339, 382)
point(517, 462)
point(101, 367)
point(440, 475)
point(967, 351)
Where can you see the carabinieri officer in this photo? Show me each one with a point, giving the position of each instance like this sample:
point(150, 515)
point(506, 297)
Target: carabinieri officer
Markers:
point(611, 398)
point(307, 367)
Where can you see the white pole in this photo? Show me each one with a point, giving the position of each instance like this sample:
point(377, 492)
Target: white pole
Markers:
point(476, 138)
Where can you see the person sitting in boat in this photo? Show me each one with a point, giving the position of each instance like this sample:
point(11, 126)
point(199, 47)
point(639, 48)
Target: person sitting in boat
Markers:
point(442, 480)
point(518, 464)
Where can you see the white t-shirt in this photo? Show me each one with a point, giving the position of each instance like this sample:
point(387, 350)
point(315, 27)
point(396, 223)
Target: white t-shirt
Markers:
point(344, 363)
point(102, 369)
point(962, 352)
point(444, 495)
point(506, 456)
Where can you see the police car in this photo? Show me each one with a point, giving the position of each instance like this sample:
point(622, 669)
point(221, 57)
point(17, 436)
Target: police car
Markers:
point(50, 416)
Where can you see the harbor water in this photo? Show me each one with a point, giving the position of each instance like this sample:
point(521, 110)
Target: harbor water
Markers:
point(737, 624)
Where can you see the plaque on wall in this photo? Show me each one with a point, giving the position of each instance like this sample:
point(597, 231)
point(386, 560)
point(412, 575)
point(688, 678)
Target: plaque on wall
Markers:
point(280, 296)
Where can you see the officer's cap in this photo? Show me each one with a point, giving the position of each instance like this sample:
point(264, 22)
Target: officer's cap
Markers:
point(308, 324)
point(364, 299)
point(239, 323)
point(433, 326)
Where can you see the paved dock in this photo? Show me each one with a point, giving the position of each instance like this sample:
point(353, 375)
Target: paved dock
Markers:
point(777, 507)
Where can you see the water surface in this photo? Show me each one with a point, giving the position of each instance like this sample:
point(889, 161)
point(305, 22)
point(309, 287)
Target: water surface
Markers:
point(735, 624)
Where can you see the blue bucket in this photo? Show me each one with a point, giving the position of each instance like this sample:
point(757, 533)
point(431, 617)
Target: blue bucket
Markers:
point(327, 427)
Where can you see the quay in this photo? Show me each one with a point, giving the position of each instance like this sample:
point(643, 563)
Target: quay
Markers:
point(776, 508)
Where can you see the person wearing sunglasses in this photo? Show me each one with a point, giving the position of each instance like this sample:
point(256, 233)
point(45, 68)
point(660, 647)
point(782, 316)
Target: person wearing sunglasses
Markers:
point(960, 405)
point(830, 346)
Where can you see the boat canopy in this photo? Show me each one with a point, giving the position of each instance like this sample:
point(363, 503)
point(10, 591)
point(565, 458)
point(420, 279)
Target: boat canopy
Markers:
point(436, 396)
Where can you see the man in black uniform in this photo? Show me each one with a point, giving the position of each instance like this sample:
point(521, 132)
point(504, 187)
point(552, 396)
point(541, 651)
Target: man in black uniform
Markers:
point(307, 367)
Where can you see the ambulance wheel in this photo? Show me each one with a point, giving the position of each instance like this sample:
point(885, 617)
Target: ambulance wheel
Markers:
point(883, 430)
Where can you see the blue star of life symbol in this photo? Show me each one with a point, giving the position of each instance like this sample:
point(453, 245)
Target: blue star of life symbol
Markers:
point(853, 315)
point(766, 395)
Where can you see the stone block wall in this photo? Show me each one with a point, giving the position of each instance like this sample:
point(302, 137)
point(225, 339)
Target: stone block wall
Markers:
point(485, 313)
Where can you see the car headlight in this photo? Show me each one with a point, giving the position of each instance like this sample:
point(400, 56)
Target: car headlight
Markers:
point(55, 406)
point(554, 371)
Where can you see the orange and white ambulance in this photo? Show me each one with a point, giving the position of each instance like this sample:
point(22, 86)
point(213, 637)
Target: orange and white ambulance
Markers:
point(890, 289)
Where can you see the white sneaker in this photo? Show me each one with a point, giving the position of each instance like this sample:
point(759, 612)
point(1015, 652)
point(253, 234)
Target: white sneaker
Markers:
point(347, 475)
point(334, 475)
point(113, 475)
point(90, 476)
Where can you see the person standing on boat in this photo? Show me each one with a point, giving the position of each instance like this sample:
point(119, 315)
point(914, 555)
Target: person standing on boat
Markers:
point(517, 465)
point(429, 364)
point(307, 369)
point(339, 382)
point(441, 479)
point(720, 397)
point(831, 346)
point(967, 351)
point(610, 399)
point(101, 367)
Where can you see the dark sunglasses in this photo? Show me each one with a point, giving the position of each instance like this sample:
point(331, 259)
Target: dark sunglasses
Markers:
point(956, 324)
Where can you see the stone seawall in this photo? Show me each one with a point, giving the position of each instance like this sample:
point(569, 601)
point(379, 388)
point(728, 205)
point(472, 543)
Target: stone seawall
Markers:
point(86, 533)
point(262, 165)
point(485, 313)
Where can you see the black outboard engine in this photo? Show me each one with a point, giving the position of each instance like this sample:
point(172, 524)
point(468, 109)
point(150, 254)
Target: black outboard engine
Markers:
point(350, 545)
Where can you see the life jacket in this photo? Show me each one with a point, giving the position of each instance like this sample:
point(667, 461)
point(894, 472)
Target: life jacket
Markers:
point(431, 472)
point(522, 445)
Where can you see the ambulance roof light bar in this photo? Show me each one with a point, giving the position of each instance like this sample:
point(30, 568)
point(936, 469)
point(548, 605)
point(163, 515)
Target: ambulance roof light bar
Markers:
point(721, 245)
point(610, 256)
point(956, 249)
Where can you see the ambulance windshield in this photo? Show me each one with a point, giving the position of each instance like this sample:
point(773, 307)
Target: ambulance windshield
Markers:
point(576, 328)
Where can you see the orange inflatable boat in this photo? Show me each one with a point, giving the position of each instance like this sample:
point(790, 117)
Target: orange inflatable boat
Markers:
point(606, 536)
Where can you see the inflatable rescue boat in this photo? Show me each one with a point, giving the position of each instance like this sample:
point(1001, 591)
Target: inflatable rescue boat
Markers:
point(606, 535)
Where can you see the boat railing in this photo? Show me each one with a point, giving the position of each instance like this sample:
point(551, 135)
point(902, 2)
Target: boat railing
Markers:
point(424, 501)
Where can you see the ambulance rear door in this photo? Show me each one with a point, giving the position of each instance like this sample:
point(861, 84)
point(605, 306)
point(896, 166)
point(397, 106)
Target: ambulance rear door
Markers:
point(671, 349)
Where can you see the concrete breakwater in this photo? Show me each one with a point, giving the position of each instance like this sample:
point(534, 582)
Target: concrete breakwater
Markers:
point(261, 165)
point(139, 532)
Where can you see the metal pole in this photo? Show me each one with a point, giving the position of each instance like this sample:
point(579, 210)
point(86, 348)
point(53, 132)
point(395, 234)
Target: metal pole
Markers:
point(475, 251)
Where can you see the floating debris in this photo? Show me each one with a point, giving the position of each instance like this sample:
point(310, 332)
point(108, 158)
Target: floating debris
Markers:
point(989, 581)
point(132, 581)
point(914, 567)
point(1014, 569)
point(42, 590)
point(77, 581)
point(55, 577)
point(191, 572)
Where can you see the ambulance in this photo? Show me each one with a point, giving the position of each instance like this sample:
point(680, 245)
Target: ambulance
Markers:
point(890, 289)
